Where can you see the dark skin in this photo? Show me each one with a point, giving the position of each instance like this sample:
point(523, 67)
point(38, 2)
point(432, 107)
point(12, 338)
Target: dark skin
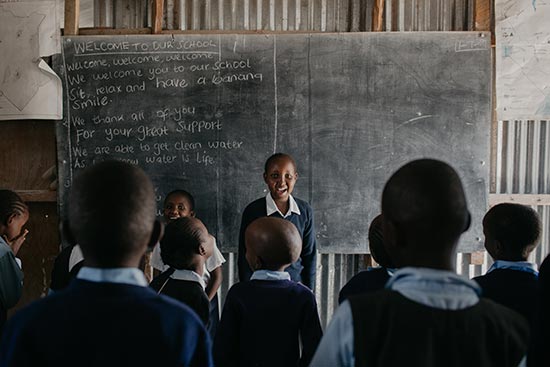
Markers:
point(280, 179)
point(272, 244)
point(424, 213)
point(12, 231)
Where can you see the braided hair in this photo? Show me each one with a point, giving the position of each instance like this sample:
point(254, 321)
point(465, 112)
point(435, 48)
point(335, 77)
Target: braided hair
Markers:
point(11, 203)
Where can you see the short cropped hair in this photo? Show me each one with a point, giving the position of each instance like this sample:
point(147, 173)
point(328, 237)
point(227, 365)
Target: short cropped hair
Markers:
point(111, 211)
point(11, 203)
point(426, 197)
point(517, 227)
point(185, 194)
point(276, 156)
point(180, 242)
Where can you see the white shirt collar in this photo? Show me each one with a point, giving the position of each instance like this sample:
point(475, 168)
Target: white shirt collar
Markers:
point(515, 265)
point(131, 276)
point(270, 275)
point(435, 288)
point(271, 207)
point(188, 275)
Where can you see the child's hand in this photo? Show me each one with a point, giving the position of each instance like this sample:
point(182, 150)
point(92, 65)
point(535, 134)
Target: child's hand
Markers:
point(16, 243)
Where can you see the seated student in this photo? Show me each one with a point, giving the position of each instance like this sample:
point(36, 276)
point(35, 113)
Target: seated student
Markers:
point(372, 279)
point(427, 315)
point(511, 231)
point(539, 353)
point(108, 316)
point(270, 320)
point(67, 263)
point(280, 175)
point(184, 248)
point(178, 204)
point(14, 213)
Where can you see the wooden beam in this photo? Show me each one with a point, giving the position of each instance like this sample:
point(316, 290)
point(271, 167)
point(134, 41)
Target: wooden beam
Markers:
point(525, 199)
point(113, 31)
point(72, 16)
point(37, 195)
point(482, 15)
point(477, 258)
point(378, 16)
point(158, 15)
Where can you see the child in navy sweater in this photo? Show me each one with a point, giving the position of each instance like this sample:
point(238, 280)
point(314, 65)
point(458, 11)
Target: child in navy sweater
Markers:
point(184, 248)
point(372, 279)
point(280, 175)
point(266, 320)
point(512, 231)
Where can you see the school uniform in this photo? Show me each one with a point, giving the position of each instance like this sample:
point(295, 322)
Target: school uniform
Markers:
point(370, 280)
point(106, 317)
point(301, 215)
point(539, 353)
point(424, 317)
point(11, 280)
point(513, 284)
point(65, 267)
point(185, 286)
point(264, 322)
point(214, 261)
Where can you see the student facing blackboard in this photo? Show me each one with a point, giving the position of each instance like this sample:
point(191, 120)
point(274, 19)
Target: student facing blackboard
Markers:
point(280, 175)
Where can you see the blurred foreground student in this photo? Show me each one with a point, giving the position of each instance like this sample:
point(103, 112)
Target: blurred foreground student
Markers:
point(539, 353)
point(108, 316)
point(13, 216)
point(185, 247)
point(270, 320)
point(427, 315)
point(512, 231)
point(372, 279)
point(280, 175)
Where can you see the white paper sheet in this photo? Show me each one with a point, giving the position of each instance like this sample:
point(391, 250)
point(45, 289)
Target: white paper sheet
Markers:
point(523, 59)
point(29, 89)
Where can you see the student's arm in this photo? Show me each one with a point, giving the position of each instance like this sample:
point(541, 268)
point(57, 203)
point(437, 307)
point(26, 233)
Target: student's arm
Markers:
point(310, 331)
point(309, 253)
point(227, 339)
point(336, 347)
point(244, 269)
point(214, 283)
point(11, 281)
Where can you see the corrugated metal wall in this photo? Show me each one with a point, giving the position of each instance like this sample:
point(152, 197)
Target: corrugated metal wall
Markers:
point(522, 146)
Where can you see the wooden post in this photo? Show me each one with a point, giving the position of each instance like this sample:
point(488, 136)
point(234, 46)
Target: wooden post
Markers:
point(378, 16)
point(72, 15)
point(482, 15)
point(158, 14)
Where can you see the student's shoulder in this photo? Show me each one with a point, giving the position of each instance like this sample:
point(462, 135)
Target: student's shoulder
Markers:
point(302, 204)
point(255, 206)
point(502, 318)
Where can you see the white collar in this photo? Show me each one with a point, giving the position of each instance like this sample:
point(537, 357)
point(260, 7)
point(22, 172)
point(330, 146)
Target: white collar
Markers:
point(189, 275)
point(515, 265)
point(271, 207)
point(270, 275)
point(131, 276)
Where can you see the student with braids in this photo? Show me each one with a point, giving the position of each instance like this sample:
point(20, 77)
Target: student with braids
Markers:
point(13, 216)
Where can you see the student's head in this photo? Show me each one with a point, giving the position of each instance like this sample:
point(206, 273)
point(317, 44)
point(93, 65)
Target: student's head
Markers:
point(280, 175)
point(14, 213)
point(112, 214)
point(424, 213)
point(376, 243)
point(511, 231)
point(178, 203)
point(186, 244)
point(272, 244)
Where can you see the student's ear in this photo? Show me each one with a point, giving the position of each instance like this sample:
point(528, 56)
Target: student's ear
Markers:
point(156, 235)
point(257, 263)
point(468, 222)
point(295, 176)
point(192, 213)
point(10, 219)
point(265, 177)
point(202, 250)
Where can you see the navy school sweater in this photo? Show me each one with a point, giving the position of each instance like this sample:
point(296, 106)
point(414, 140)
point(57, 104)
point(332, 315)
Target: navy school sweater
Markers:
point(302, 270)
point(364, 282)
point(263, 322)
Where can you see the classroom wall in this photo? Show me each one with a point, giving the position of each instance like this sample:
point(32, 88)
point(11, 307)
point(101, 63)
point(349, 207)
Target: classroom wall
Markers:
point(520, 151)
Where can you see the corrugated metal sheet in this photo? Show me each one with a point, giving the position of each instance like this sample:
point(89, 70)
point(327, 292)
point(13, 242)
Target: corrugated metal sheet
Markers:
point(523, 167)
point(522, 146)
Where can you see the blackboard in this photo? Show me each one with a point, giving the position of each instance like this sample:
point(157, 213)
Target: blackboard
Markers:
point(203, 112)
